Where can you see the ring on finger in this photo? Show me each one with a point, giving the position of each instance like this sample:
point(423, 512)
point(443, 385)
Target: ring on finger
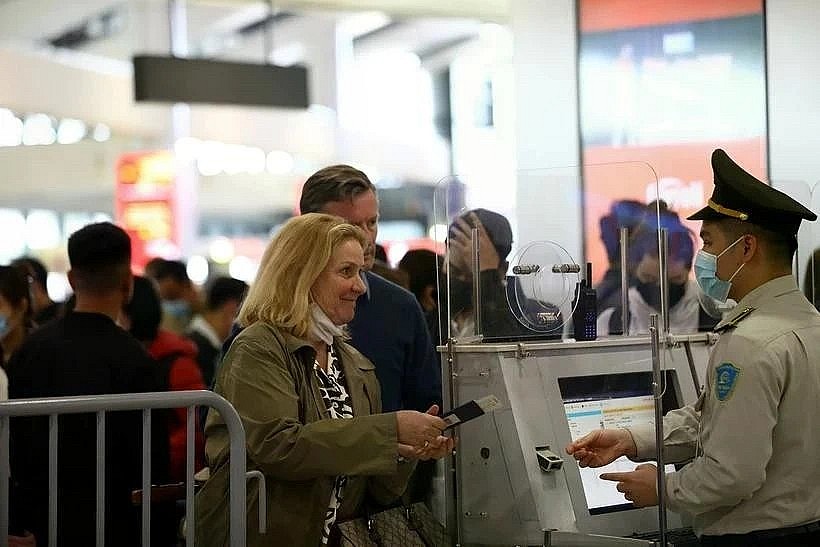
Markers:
point(426, 444)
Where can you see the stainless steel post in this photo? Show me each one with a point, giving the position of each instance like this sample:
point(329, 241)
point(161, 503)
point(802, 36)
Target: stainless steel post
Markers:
point(53, 433)
point(453, 512)
point(625, 281)
point(476, 281)
point(664, 273)
point(5, 425)
point(658, 393)
point(190, 440)
point(146, 477)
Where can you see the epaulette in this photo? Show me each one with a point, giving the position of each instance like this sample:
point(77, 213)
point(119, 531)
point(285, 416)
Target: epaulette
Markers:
point(732, 323)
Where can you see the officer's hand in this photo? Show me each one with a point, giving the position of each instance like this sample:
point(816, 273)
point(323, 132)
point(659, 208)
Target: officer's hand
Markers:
point(602, 446)
point(639, 486)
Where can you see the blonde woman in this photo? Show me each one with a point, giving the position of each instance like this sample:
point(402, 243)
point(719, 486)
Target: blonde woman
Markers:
point(310, 403)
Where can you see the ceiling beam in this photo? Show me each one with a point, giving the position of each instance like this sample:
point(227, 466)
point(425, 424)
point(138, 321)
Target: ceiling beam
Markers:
point(485, 10)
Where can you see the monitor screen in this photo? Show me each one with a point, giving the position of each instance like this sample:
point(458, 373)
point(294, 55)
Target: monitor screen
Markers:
point(611, 401)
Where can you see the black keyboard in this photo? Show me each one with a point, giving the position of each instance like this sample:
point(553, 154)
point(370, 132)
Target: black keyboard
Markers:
point(679, 537)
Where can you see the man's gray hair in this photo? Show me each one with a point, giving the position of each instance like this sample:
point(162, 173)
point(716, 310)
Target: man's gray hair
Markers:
point(334, 183)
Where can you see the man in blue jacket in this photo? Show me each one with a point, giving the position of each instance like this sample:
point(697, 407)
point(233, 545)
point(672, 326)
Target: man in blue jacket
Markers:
point(389, 326)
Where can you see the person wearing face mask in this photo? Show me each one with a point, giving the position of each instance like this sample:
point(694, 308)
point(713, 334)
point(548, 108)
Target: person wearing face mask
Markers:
point(495, 244)
point(753, 436)
point(180, 298)
point(15, 318)
point(310, 403)
point(686, 315)
point(15, 322)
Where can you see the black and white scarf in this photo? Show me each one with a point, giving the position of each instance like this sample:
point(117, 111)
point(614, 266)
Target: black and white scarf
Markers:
point(337, 402)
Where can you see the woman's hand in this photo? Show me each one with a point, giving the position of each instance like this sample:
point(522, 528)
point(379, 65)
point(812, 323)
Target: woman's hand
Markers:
point(27, 540)
point(439, 448)
point(418, 429)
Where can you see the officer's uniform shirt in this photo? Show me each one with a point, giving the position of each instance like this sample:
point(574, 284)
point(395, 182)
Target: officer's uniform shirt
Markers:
point(755, 431)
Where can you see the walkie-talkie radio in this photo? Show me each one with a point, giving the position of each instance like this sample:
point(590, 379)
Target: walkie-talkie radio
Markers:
point(585, 314)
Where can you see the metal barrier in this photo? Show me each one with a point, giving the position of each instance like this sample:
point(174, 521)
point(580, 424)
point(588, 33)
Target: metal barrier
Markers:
point(100, 404)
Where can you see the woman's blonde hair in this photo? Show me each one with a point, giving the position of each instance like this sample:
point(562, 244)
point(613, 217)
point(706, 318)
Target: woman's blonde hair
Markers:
point(294, 259)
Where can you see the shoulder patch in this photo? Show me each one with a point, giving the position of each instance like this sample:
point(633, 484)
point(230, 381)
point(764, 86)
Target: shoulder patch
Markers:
point(726, 376)
point(732, 323)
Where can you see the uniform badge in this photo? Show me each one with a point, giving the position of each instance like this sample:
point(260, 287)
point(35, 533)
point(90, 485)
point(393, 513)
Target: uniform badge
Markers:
point(726, 380)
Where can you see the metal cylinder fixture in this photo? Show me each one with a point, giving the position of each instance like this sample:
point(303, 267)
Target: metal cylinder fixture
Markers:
point(657, 390)
point(526, 269)
point(663, 241)
point(566, 268)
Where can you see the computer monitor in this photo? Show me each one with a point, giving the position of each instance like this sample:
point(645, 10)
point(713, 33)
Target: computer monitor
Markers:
point(607, 401)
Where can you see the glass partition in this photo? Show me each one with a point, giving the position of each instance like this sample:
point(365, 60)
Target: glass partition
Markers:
point(517, 249)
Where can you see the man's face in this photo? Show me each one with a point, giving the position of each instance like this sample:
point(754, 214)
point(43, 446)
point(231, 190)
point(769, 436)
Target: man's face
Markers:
point(361, 211)
point(715, 241)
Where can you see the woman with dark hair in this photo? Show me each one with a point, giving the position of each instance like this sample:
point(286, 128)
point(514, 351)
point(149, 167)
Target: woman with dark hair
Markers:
point(177, 368)
point(15, 323)
point(15, 317)
point(686, 315)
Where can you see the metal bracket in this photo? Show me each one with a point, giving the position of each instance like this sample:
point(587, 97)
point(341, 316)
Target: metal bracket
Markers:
point(671, 341)
point(548, 460)
point(521, 352)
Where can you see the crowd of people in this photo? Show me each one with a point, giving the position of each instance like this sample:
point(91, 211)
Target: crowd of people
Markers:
point(331, 366)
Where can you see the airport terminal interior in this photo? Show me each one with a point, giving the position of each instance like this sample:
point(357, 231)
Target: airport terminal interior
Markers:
point(534, 166)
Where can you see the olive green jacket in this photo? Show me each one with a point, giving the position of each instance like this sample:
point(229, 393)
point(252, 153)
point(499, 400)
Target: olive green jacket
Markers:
point(268, 376)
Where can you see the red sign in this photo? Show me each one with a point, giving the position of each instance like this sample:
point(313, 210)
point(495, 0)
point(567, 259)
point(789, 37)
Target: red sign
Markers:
point(144, 204)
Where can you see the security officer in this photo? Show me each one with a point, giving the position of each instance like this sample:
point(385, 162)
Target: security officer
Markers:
point(753, 437)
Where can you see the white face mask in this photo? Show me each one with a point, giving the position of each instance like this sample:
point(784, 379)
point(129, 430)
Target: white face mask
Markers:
point(323, 328)
point(706, 273)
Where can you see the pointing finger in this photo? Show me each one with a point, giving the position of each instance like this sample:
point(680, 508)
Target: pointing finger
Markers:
point(616, 477)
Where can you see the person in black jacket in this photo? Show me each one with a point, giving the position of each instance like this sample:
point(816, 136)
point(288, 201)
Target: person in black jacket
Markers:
point(495, 244)
point(84, 353)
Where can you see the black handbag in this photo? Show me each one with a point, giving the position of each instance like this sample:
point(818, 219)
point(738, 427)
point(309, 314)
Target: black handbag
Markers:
point(404, 526)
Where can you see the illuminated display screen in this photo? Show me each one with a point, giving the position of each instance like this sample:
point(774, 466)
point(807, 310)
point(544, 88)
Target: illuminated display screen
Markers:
point(665, 83)
point(611, 401)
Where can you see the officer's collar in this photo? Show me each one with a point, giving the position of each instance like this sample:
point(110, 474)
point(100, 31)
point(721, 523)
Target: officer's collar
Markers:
point(771, 289)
